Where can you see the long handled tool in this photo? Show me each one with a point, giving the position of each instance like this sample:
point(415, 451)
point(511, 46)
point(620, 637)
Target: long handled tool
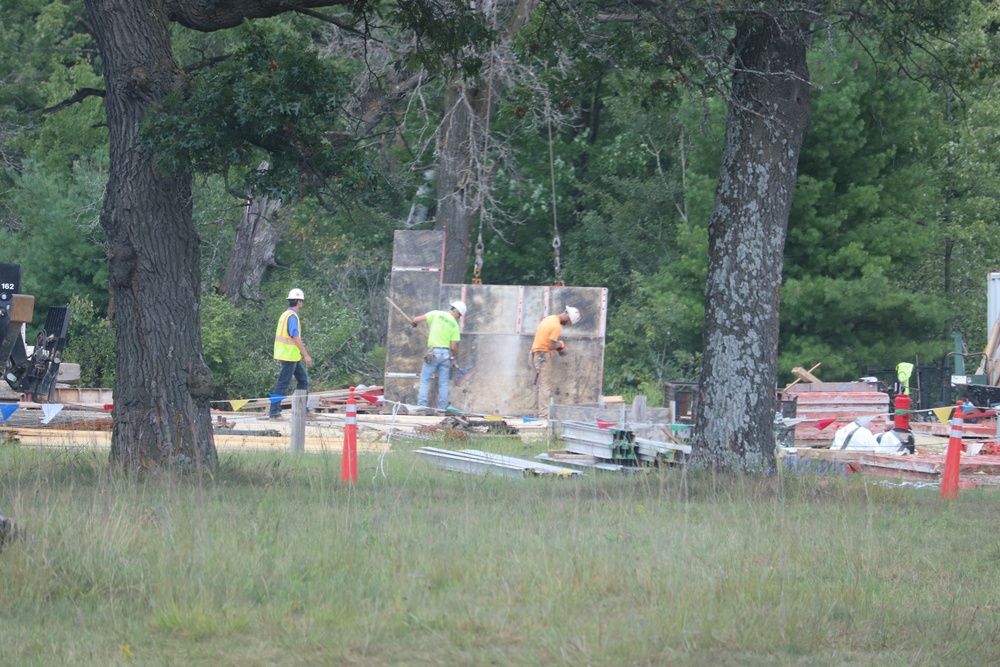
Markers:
point(463, 375)
point(398, 309)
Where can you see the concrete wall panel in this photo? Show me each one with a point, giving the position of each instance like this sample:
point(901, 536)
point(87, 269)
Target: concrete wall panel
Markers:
point(497, 333)
point(411, 250)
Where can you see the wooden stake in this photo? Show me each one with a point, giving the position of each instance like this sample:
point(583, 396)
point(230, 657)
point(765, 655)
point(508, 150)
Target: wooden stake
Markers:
point(803, 374)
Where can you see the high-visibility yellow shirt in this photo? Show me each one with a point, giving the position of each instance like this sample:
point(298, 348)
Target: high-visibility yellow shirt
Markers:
point(548, 330)
point(444, 329)
point(903, 372)
point(285, 348)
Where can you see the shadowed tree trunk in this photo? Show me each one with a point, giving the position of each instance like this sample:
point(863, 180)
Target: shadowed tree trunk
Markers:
point(463, 170)
point(257, 237)
point(162, 384)
point(768, 118)
point(458, 198)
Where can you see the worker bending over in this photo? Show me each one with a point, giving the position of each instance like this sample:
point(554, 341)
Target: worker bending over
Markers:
point(442, 349)
point(546, 342)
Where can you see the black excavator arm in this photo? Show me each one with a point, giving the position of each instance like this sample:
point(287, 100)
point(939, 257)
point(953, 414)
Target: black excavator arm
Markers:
point(33, 375)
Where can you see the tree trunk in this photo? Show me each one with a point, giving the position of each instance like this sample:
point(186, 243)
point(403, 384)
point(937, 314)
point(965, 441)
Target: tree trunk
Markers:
point(768, 117)
point(463, 170)
point(458, 196)
point(162, 385)
point(257, 237)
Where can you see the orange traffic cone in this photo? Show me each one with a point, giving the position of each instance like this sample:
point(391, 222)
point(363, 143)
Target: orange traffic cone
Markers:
point(949, 480)
point(349, 462)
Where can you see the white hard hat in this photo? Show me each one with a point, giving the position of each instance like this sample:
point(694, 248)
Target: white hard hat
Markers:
point(459, 306)
point(296, 294)
point(574, 314)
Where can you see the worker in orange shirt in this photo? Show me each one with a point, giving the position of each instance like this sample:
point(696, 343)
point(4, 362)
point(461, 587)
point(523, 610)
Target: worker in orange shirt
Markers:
point(546, 342)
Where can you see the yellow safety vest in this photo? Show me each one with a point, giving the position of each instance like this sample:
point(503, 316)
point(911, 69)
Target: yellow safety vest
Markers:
point(903, 372)
point(285, 348)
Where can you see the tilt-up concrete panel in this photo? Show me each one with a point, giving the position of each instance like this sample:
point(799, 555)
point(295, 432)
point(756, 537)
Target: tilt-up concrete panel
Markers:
point(497, 333)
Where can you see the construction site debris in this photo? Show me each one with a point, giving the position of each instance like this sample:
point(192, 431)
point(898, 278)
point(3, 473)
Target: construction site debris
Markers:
point(221, 423)
point(87, 425)
point(974, 470)
point(817, 406)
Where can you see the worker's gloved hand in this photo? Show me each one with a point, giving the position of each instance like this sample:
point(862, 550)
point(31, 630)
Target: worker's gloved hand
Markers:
point(413, 323)
point(562, 351)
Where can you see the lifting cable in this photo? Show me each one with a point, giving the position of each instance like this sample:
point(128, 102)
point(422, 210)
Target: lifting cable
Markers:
point(556, 242)
point(477, 267)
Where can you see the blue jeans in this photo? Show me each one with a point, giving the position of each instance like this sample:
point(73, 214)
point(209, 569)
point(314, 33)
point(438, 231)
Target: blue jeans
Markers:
point(441, 365)
point(286, 369)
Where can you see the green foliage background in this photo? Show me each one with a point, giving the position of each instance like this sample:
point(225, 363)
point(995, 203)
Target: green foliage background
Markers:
point(890, 239)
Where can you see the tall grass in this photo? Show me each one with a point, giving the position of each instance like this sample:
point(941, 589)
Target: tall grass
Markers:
point(274, 561)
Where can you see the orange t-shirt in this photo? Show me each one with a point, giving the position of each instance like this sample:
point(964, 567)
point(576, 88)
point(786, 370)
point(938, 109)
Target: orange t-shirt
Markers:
point(548, 330)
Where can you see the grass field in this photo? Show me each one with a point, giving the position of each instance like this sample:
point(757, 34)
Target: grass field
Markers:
point(275, 561)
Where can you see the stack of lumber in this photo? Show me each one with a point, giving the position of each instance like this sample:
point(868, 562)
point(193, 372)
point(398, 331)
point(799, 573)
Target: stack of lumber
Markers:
point(336, 401)
point(328, 401)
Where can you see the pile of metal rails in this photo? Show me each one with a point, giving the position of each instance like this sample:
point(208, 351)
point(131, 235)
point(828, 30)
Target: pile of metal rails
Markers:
point(475, 462)
point(623, 444)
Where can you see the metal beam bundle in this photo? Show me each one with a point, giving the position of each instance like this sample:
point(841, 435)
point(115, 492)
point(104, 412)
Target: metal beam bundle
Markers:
point(475, 462)
point(619, 445)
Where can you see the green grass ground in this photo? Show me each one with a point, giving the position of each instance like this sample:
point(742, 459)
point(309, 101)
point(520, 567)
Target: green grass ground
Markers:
point(275, 561)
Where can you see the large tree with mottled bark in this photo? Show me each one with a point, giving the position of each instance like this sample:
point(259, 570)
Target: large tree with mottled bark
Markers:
point(753, 54)
point(768, 118)
point(162, 387)
point(769, 114)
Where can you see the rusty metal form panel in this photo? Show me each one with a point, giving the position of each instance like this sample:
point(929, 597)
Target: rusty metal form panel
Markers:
point(423, 251)
point(415, 286)
point(497, 333)
point(415, 294)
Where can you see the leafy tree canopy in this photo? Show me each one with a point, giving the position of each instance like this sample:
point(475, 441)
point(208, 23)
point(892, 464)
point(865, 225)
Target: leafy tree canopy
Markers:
point(272, 98)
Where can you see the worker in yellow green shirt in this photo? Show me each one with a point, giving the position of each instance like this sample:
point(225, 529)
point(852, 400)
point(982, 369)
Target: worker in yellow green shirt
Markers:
point(442, 349)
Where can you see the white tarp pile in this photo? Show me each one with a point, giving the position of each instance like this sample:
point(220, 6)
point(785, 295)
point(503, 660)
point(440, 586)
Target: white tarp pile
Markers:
point(856, 436)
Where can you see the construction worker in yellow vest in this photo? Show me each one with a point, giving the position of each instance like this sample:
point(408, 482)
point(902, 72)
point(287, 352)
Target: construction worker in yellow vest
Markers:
point(903, 372)
point(290, 353)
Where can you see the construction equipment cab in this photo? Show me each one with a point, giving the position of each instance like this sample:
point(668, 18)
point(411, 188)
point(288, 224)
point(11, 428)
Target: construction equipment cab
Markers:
point(31, 372)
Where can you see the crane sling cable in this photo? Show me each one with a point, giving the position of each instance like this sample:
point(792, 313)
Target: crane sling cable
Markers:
point(477, 267)
point(556, 242)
